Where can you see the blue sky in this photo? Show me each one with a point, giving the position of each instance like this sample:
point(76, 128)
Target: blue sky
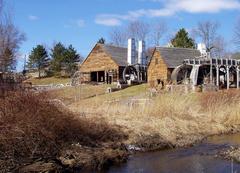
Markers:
point(82, 22)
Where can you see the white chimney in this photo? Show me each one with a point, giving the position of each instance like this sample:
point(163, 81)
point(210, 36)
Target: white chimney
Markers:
point(202, 48)
point(131, 51)
point(141, 52)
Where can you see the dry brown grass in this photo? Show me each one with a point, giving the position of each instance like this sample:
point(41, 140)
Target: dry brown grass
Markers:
point(177, 118)
point(70, 95)
point(32, 127)
point(49, 80)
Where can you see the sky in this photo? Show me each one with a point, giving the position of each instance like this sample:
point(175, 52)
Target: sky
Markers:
point(82, 22)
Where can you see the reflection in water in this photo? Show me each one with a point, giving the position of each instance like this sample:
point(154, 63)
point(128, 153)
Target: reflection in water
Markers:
point(233, 139)
point(197, 159)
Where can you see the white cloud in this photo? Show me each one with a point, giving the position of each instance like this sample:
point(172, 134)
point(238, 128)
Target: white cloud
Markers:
point(203, 6)
point(108, 20)
point(170, 7)
point(75, 23)
point(33, 18)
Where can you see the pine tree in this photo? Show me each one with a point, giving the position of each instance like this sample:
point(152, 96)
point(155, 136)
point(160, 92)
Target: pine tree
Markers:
point(183, 40)
point(38, 59)
point(101, 41)
point(58, 54)
point(63, 57)
point(71, 59)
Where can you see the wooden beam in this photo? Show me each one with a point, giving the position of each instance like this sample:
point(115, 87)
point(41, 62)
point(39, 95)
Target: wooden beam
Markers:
point(228, 78)
point(211, 72)
point(237, 77)
point(217, 76)
point(105, 76)
point(97, 76)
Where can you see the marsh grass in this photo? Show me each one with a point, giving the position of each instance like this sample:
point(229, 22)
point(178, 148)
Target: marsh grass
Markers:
point(175, 117)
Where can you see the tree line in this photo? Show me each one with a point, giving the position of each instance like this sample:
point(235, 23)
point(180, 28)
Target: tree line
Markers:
point(153, 33)
point(59, 59)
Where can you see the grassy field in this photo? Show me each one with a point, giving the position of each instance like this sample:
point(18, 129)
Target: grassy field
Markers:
point(93, 128)
point(49, 80)
point(176, 118)
point(70, 95)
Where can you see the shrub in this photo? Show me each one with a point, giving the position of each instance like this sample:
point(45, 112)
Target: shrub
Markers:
point(33, 127)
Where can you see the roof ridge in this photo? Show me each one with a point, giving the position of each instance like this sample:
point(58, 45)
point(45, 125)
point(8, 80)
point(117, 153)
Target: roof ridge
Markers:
point(176, 48)
point(110, 45)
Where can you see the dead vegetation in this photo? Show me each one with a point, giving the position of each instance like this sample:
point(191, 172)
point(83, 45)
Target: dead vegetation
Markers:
point(176, 119)
point(32, 128)
point(69, 95)
point(232, 153)
point(40, 133)
point(48, 81)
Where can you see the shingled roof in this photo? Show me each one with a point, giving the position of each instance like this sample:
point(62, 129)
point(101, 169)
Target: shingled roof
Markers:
point(174, 57)
point(118, 54)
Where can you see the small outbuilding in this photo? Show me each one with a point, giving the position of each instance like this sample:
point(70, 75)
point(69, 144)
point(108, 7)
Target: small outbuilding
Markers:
point(164, 60)
point(104, 64)
point(108, 64)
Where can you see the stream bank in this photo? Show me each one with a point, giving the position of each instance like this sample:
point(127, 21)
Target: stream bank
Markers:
point(202, 157)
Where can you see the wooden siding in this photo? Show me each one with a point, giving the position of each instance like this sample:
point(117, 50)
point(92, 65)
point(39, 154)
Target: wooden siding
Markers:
point(99, 60)
point(157, 69)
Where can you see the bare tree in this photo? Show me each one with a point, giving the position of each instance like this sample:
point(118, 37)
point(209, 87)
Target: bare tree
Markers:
point(237, 33)
point(138, 30)
point(158, 30)
point(118, 36)
point(135, 29)
point(220, 48)
point(207, 31)
point(10, 40)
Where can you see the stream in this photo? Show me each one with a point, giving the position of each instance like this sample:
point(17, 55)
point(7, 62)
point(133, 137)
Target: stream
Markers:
point(197, 159)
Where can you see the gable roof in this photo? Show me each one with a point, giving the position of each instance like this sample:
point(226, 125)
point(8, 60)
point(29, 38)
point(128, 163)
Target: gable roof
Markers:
point(174, 57)
point(118, 54)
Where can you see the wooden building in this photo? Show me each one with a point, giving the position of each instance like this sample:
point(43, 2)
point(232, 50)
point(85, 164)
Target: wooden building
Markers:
point(104, 64)
point(164, 60)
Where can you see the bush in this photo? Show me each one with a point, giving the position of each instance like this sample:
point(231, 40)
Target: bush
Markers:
point(32, 127)
point(210, 100)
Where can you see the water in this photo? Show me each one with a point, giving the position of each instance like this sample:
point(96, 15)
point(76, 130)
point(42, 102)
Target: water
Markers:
point(198, 159)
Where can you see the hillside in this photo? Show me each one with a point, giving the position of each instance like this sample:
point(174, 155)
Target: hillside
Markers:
point(174, 119)
point(49, 80)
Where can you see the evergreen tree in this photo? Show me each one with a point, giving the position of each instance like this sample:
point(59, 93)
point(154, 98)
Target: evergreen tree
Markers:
point(10, 39)
point(183, 40)
point(101, 41)
point(38, 59)
point(58, 55)
point(71, 59)
point(63, 57)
